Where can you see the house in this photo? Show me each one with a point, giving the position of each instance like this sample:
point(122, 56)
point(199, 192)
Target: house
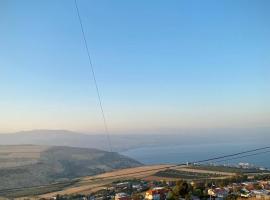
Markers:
point(195, 198)
point(158, 193)
point(171, 183)
point(261, 194)
point(245, 193)
point(218, 192)
point(123, 185)
point(122, 196)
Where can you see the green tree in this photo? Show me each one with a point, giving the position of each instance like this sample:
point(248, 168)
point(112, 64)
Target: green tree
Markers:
point(182, 189)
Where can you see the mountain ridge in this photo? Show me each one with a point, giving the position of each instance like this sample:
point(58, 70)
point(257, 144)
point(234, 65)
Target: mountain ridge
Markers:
point(33, 165)
point(123, 142)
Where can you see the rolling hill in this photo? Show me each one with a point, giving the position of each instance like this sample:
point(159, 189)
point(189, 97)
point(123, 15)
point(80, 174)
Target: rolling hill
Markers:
point(33, 165)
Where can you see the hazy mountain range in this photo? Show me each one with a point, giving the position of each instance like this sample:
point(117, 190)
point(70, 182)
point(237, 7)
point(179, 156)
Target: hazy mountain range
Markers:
point(122, 142)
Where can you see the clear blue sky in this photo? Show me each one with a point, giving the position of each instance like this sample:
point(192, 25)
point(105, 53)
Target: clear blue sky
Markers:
point(159, 64)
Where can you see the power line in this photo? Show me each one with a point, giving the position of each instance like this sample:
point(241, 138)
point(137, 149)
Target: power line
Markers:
point(94, 78)
point(231, 155)
point(245, 156)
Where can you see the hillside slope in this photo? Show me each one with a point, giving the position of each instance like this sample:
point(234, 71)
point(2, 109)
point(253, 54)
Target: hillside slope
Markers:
point(31, 165)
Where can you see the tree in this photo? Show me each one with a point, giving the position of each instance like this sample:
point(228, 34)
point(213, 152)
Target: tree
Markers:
point(182, 189)
point(231, 197)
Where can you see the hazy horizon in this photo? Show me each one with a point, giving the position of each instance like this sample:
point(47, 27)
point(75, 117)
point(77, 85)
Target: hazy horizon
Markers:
point(123, 141)
point(198, 131)
point(161, 67)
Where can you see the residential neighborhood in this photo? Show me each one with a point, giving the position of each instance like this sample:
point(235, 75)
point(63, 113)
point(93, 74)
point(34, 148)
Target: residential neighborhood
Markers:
point(238, 188)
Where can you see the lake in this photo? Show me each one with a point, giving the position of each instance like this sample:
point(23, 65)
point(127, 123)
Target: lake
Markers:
point(195, 152)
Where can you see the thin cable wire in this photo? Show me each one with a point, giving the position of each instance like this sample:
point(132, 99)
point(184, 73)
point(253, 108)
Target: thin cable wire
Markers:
point(239, 157)
point(231, 155)
point(94, 78)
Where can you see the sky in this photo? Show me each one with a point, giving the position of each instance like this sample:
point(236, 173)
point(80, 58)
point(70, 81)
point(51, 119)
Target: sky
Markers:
point(160, 65)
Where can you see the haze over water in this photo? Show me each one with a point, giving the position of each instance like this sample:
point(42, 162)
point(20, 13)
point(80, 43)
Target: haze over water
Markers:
point(195, 152)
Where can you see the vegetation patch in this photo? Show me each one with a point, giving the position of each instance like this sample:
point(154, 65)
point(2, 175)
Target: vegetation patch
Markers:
point(172, 173)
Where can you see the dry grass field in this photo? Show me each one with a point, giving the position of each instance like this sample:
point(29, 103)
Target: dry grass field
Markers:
point(93, 183)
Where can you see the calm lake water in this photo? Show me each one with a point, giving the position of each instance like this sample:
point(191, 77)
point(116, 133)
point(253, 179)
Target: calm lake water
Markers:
point(195, 152)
